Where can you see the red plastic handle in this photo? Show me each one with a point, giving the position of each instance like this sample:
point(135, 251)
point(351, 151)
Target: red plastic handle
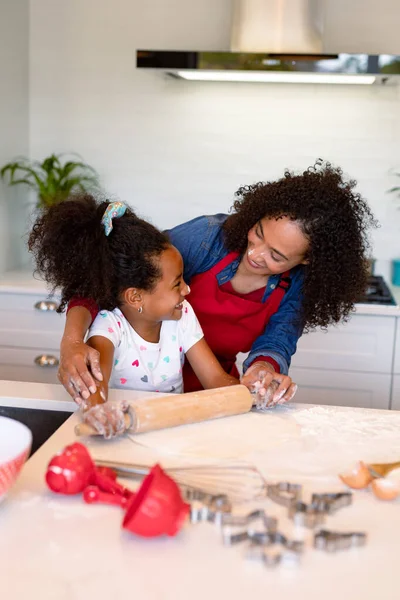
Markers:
point(92, 495)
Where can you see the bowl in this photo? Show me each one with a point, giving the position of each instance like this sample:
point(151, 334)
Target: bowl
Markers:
point(15, 445)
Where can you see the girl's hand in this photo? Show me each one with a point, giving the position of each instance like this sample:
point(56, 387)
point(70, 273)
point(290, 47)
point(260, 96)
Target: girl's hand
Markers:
point(74, 374)
point(108, 418)
point(272, 388)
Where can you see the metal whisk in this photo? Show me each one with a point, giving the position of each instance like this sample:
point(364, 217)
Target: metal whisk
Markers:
point(238, 481)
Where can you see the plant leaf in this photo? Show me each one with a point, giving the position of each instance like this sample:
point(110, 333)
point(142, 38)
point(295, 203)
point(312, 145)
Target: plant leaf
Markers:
point(52, 180)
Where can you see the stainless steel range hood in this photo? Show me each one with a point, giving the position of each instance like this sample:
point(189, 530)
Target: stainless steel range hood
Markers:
point(275, 41)
point(274, 68)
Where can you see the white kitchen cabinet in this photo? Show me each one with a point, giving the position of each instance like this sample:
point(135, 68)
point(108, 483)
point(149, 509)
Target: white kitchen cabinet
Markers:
point(396, 393)
point(365, 343)
point(30, 334)
point(348, 365)
point(343, 388)
point(396, 361)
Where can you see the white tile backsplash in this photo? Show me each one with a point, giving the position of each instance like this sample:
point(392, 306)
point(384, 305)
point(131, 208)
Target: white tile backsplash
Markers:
point(176, 149)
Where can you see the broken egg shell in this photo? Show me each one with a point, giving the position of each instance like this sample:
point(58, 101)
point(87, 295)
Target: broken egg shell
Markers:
point(359, 478)
point(385, 489)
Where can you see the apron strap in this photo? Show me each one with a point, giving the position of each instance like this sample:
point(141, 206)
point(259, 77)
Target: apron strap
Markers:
point(277, 295)
point(224, 262)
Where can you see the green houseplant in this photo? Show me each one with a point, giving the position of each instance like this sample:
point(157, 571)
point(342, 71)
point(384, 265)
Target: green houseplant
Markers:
point(52, 179)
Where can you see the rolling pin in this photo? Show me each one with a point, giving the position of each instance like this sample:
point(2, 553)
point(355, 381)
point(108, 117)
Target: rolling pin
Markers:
point(163, 412)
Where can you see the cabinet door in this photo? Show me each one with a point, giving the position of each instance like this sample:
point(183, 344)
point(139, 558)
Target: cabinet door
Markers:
point(31, 329)
point(30, 321)
point(365, 343)
point(396, 362)
point(396, 393)
point(19, 364)
point(342, 388)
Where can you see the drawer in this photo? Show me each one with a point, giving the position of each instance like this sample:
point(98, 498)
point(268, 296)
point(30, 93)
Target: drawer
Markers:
point(33, 374)
point(19, 365)
point(31, 329)
point(25, 301)
point(342, 388)
point(30, 320)
point(365, 343)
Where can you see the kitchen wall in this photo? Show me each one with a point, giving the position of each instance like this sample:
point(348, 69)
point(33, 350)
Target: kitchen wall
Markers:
point(14, 127)
point(177, 149)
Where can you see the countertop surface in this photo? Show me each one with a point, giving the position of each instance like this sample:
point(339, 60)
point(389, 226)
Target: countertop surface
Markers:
point(24, 282)
point(56, 547)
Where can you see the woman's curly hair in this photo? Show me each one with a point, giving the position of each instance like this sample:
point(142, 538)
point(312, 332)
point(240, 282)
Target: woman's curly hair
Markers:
point(333, 217)
point(73, 254)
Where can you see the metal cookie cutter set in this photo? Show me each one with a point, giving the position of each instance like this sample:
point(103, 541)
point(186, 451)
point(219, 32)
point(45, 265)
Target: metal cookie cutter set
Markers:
point(260, 531)
point(307, 515)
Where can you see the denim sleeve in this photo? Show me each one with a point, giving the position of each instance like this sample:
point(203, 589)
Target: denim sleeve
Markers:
point(279, 340)
point(200, 243)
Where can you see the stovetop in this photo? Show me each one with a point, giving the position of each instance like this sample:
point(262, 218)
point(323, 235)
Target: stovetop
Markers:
point(377, 292)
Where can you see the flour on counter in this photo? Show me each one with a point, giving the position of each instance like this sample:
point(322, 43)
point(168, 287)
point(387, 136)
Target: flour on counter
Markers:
point(223, 438)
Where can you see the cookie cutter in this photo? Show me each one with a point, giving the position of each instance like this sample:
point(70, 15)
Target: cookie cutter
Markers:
point(266, 538)
point(229, 537)
point(331, 541)
point(330, 503)
point(284, 493)
point(199, 512)
point(270, 523)
point(260, 548)
point(205, 506)
point(306, 515)
point(214, 501)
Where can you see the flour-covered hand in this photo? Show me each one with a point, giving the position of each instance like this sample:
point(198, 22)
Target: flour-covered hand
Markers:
point(269, 387)
point(108, 419)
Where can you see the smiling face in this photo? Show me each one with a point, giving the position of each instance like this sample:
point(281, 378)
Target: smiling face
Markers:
point(164, 301)
point(275, 245)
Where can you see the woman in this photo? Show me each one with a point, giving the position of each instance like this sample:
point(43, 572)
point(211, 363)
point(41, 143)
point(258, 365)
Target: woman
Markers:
point(290, 258)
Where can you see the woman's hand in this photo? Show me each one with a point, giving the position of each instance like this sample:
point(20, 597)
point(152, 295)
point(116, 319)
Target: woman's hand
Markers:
point(76, 358)
point(272, 388)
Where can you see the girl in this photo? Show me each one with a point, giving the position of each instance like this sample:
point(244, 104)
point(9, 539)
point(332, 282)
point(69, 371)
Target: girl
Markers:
point(131, 270)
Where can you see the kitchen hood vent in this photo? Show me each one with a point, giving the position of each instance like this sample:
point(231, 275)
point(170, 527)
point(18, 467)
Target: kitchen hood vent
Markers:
point(277, 26)
point(275, 41)
point(274, 68)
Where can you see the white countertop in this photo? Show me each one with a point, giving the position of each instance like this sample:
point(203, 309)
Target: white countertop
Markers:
point(40, 396)
point(58, 548)
point(46, 396)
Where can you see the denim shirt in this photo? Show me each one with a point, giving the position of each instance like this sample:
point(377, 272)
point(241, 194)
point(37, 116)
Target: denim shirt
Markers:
point(201, 243)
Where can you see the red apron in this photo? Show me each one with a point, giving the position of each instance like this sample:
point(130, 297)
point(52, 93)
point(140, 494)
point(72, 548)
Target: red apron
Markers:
point(230, 323)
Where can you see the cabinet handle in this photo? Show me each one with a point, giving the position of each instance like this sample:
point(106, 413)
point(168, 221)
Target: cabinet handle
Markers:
point(46, 306)
point(47, 360)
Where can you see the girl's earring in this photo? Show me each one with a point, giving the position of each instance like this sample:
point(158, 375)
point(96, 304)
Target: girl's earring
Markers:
point(140, 309)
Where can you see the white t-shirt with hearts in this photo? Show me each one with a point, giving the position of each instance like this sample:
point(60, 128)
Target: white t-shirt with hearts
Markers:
point(141, 365)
